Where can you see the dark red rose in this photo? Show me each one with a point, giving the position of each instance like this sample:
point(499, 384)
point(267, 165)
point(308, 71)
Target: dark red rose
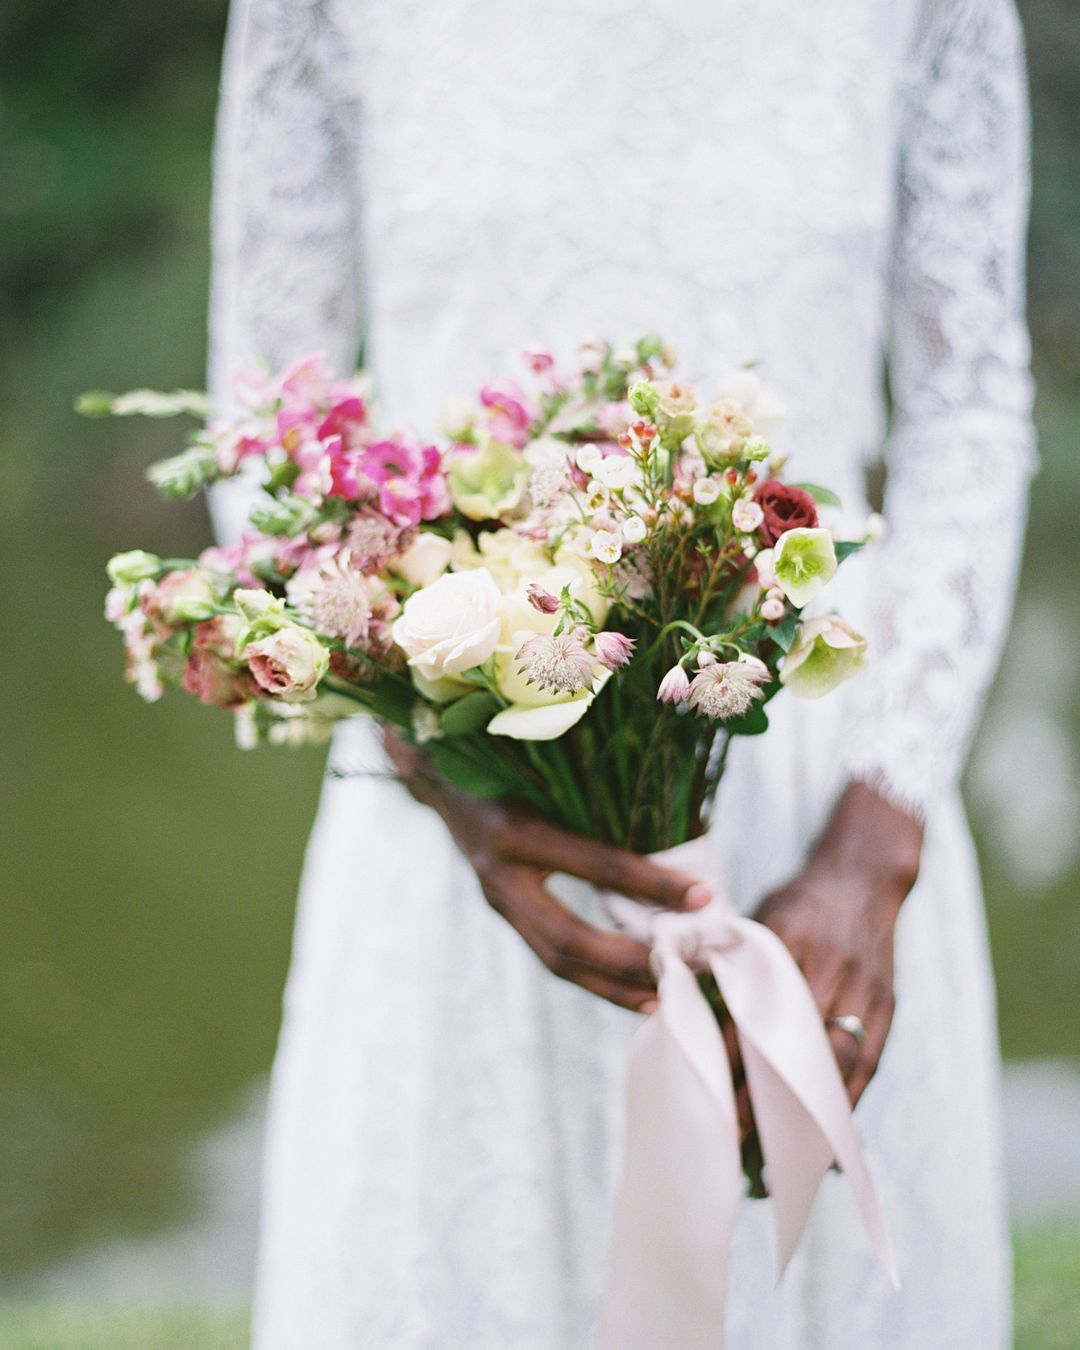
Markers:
point(785, 508)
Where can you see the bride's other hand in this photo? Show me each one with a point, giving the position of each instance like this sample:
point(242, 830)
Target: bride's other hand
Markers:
point(837, 919)
point(514, 852)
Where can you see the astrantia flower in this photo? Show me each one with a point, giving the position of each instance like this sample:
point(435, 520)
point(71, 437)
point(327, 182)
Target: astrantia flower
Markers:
point(674, 687)
point(372, 541)
point(803, 561)
point(727, 689)
point(613, 649)
point(560, 664)
point(333, 598)
point(825, 652)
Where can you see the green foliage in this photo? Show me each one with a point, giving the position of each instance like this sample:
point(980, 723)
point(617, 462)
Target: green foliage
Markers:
point(822, 495)
point(470, 713)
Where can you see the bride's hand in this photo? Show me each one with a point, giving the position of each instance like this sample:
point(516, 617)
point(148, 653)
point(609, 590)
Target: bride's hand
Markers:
point(837, 919)
point(514, 851)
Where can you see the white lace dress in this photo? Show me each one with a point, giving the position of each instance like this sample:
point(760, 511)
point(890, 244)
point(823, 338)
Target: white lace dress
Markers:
point(820, 187)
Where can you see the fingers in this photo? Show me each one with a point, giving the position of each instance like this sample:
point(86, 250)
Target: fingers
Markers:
point(873, 1005)
point(611, 868)
point(607, 964)
point(878, 1022)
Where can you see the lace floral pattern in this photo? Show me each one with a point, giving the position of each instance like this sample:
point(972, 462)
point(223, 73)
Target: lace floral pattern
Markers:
point(815, 186)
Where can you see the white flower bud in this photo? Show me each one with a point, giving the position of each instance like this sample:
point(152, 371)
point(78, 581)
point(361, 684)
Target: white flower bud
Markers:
point(589, 457)
point(706, 491)
point(634, 530)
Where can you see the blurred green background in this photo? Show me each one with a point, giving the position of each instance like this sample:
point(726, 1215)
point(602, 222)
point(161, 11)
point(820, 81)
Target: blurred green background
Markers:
point(149, 871)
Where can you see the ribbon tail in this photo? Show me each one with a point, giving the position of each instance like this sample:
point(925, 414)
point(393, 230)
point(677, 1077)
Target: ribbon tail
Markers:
point(681, 1183)
point(800, 1103)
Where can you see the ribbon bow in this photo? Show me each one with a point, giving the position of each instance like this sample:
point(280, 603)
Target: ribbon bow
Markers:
point(682, 1172)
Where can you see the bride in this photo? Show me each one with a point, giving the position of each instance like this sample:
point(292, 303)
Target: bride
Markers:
point(833, 190)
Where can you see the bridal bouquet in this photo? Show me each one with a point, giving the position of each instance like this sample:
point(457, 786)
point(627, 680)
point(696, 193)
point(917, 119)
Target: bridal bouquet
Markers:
point(578, 596)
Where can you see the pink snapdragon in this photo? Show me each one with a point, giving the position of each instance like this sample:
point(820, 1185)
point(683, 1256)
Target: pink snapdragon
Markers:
point(407, 479)
point(348, 419)
point(508, 414)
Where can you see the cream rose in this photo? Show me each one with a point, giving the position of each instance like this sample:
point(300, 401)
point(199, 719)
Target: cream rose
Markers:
point(426, 558)
point(450, 626)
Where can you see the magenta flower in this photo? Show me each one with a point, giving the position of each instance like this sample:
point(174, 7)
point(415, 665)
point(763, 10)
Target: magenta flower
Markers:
point(613, 650)
point(408, 479)
point(508, 414)
point(347, 419)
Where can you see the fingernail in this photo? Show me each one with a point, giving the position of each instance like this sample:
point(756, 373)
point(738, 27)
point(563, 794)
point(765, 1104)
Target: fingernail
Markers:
point(649, 1008)
point(698, 896)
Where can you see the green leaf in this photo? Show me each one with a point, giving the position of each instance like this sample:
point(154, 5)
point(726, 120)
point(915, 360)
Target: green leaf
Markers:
point(464, 772)
point(393, 702)
point(144, 403)
point(846, 547)
point(822, 495)
point(783, 633)
point(752, 723)
point(471, 713)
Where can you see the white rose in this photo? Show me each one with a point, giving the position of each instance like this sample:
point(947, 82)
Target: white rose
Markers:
point(451, 625)
point(426, 558)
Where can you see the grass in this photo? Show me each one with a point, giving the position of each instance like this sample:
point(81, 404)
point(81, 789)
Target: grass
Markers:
point(1048, 1287)
point(1047, 1311)
point(52, 1326)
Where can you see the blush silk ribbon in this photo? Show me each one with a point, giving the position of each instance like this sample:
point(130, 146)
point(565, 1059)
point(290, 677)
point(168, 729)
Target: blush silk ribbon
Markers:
point(682, 1172)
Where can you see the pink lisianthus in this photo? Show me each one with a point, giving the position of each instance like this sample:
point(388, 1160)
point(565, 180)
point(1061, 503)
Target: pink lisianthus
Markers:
point(211, 672)
point(508, 414)
point(159, 602)
point(288, 663)
point(214, 684)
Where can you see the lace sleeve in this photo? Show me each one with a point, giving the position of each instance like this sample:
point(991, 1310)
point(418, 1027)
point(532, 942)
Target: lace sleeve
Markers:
point(961, 449)
point(286, 275)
